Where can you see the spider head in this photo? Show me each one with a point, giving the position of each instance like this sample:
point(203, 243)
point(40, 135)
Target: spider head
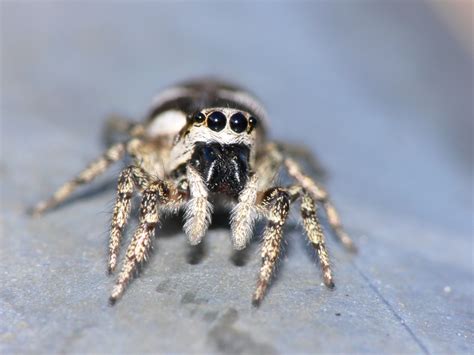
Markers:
point(223, 167)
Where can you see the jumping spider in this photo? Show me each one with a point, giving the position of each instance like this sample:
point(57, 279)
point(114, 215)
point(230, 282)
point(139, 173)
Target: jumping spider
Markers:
point(203, 142)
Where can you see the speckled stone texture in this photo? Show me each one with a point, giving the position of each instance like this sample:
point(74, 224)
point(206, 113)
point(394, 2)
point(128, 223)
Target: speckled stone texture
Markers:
point(381, 91)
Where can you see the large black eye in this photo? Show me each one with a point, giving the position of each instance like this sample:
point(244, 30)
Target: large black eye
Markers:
point(238, 122)
point(199, 117)
point(216, 121)
point(252, 123)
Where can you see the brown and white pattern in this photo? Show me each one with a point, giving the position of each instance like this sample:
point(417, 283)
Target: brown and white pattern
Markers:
point(204, 141)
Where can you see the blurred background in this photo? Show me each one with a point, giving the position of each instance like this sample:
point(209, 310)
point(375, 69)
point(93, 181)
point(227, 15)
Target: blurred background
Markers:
point(381, 90)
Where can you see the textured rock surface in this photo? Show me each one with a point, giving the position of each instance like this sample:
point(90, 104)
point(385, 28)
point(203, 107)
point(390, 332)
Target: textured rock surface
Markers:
point(381, 92)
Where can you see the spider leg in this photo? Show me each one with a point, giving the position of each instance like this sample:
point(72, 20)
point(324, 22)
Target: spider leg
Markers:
point(315, 235)
point(198, 209)
point(321, 195)
point(129, 178)
point(94, 169)
point(268, 165)
point(244, 213)
point(118, 128)
point(157, 192)
point(276, 203)
point(303, 153)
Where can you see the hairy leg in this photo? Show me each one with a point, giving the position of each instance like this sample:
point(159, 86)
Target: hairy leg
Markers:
point(244, 214)
point(96, 168)
point(320, 194)
point(118, 128)
point(198, 209)
point(276, 204)
point(157, 193)
point(304, 154)
point(130, 177)
point(267, 166)
point(315, 235)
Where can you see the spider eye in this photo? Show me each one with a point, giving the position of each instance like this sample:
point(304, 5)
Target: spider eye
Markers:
point(238, 122)
point(216, 121)
point(199, 117)
point(252, 124)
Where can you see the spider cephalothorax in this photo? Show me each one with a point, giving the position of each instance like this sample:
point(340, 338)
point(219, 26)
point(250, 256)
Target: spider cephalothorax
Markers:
point(204, 139)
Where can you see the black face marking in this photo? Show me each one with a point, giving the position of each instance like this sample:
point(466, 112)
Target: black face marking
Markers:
point(224, 168)
point(216, 121)
point(252, 124)
point(238, 122)
point(199, 117)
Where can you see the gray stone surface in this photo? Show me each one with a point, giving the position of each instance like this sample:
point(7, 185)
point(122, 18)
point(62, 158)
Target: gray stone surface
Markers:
point(380, 90)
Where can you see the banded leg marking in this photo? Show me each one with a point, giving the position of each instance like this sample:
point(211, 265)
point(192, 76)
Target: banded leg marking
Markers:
point(158, 192)
point(277, 203)
point(315, 235)
point(320, 194)
point(130, 177)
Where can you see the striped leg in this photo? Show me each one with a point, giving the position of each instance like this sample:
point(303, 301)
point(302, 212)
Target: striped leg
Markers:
point(276, 202)
point(315, 235)
point(322, 196)
point(96, 168)
point(157, 192)
point(130, 177)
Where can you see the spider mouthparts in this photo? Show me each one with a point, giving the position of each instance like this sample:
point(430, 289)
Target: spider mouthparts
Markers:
point(224, 167)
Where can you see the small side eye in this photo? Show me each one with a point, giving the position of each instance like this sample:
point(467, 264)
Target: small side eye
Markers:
point(238, 122)
point(252, 124)
point(216, 121)
point(199, 117)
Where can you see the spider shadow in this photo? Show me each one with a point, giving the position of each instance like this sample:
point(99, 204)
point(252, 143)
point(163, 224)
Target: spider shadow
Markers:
point(94, 190)
point(172, 225)
point(220, 221)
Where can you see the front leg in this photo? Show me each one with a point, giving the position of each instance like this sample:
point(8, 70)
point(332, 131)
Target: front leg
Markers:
point(244, 214)
point(198, 209)
point(276, 204)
